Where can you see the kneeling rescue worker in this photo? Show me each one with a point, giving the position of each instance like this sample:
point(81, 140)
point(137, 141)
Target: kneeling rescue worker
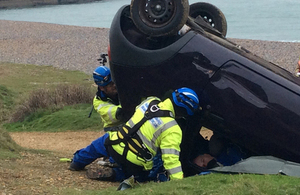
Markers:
point(150, 130)
point(106, 101)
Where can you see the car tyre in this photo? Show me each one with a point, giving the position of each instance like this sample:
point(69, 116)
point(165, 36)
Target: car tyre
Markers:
point(159, 17)
point(211, 14)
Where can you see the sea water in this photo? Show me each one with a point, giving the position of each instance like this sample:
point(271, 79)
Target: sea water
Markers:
point(274, 20)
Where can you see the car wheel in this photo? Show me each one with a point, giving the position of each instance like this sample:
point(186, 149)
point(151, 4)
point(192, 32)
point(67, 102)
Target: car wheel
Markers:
point(159, 17)
point(210, 14)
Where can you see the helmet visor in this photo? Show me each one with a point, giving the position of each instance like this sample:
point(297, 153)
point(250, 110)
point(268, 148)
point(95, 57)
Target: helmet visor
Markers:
point(105, 79)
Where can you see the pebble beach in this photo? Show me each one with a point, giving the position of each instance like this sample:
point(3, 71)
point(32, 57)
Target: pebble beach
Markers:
point(78, 48)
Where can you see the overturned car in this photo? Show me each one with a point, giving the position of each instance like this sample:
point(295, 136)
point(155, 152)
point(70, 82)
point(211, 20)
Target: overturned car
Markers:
point(244, 98)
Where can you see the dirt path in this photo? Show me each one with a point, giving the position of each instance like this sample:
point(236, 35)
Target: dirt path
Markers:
point(64, 142)
point(42, 172)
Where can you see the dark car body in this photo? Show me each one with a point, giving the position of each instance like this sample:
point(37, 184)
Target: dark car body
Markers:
point(248, 100)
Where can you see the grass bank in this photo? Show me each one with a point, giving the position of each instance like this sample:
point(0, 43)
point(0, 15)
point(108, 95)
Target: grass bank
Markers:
point(43, 98)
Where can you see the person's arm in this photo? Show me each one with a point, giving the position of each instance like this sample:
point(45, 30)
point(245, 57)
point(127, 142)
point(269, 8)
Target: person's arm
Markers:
point(107, 111)
point(170, 148)
point(120, 115)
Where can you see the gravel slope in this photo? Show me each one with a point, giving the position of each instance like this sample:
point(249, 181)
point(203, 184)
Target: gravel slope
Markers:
point(67, 47)
point(78, 48)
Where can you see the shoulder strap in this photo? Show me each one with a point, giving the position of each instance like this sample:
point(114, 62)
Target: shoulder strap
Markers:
point(152, 111)
point(132, 141)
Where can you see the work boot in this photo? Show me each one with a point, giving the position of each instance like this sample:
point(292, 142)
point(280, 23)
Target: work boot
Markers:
point(126, 184)
point(75, 167)
point(102, 174)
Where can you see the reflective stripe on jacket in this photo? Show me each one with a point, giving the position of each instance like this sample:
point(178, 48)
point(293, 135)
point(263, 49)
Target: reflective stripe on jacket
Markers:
point(107, 111)
point(159, 133)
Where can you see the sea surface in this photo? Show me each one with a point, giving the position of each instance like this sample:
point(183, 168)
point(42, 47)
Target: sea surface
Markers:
point(273, 20)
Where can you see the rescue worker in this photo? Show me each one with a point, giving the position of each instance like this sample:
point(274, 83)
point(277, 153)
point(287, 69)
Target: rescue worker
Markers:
point(106, 101)
point(151, 129)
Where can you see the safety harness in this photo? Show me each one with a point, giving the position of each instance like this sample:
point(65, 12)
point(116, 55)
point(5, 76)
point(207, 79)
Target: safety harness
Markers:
point(128, 135)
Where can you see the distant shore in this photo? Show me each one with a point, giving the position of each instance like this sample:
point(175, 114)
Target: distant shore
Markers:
point(78, 48)
point(11, 4)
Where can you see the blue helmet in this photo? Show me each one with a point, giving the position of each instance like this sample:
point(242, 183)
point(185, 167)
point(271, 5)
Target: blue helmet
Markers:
point(102, 76)
point(186, 98)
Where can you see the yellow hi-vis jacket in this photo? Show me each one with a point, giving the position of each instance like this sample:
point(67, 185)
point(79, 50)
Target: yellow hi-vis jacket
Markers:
point(159, 133)
point(107, 111)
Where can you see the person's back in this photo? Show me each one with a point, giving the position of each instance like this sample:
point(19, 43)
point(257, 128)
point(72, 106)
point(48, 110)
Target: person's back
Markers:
point(154, 134)
point(158, 133)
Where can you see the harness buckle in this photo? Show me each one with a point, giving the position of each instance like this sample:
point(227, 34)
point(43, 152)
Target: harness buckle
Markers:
point(144, 148)
point(154, 108)
point(149, 159)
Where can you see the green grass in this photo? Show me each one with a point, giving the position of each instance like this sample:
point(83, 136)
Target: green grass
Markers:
point(6, 102)
point(6, 97)
point(23, 78)
point(223, 184)
point(8, 147)
point(18, 82)
point(69, 118)
point(212, 184)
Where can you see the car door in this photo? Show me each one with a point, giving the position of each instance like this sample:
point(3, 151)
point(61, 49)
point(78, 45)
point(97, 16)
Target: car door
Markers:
point(256, 108)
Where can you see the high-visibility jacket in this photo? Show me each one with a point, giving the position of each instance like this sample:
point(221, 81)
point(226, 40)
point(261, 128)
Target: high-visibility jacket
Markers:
point(159, 133)
point(107, 110)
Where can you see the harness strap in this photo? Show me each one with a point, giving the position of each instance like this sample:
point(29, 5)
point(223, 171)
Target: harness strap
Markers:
point(129, 137)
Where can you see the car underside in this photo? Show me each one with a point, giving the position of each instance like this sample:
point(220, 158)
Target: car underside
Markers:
point(244, 98)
